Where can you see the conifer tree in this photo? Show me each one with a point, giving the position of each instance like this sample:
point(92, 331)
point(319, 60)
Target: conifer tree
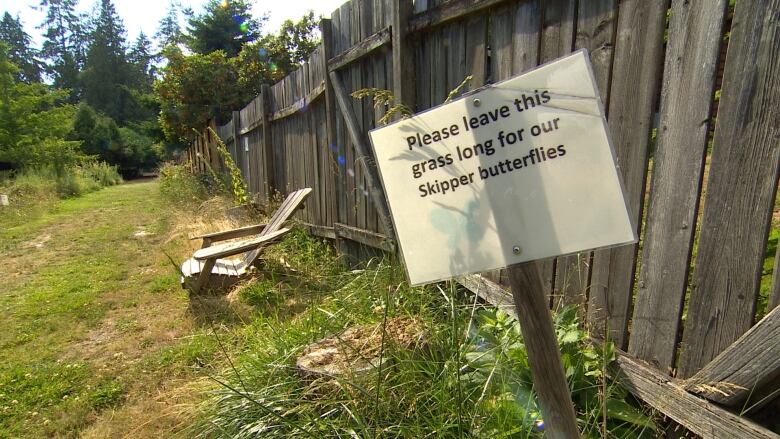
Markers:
point(224, 25)
point(169, 32)
point(107, 75)
point(62, 33)
point(20, 51)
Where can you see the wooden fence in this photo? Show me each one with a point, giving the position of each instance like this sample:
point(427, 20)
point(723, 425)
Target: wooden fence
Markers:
point(686, 299)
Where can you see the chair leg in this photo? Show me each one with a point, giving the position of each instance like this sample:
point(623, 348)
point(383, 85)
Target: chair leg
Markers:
point(205, 274)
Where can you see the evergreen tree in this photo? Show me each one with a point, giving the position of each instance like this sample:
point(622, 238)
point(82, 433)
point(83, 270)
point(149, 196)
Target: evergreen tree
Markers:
point(169, 33)
point(20, 51)
point(225, 25)
point(107, 75)
point(140, 58)
point(63, 31)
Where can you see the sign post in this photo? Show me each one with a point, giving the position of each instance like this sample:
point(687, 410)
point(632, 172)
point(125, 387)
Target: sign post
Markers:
point(519, 171)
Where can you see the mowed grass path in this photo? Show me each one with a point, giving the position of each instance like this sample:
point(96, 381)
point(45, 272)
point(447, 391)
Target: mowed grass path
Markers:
point(97, 338)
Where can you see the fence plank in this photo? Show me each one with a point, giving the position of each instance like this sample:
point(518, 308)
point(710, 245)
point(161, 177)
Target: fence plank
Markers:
point(377, 194)
point(689, 76)
point(744, 367)
point(696, 414)
point(741, 191)
point(361, 50)
point(635, 77)
point(596, 23)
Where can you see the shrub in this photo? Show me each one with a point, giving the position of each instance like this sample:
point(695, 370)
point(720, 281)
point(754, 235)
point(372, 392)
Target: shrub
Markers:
point(179, 185)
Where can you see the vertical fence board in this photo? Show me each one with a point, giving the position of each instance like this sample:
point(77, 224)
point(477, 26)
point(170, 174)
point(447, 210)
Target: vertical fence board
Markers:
point(689, 76)
point(596, 24)
point(739, 202)
point(635, 76)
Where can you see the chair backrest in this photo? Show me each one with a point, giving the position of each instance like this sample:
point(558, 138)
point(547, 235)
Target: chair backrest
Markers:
point(282, 214)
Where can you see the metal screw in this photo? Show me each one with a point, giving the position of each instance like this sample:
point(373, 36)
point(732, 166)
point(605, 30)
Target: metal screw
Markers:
point(477, 102)
point(516, 250)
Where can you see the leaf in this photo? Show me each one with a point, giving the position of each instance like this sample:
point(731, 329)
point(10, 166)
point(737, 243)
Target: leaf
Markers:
point(620, 410)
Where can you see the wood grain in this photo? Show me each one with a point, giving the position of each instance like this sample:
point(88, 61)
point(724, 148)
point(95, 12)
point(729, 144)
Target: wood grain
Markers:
point(689, 77)
point(740, 191)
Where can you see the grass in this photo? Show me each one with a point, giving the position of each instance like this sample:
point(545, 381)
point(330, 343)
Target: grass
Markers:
point(470, 377)
point(100, 341)
point(95, 325)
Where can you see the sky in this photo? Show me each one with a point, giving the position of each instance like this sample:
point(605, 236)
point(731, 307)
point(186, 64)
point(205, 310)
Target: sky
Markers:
point(146, 14)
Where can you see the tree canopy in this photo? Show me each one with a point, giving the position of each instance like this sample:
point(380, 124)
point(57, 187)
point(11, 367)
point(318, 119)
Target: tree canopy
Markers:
point(224, 25)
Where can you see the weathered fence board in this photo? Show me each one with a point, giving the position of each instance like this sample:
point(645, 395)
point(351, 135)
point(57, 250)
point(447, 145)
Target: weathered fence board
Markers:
point(689, 77)
point(297, 133)
point(636, 74)
point(739, 202)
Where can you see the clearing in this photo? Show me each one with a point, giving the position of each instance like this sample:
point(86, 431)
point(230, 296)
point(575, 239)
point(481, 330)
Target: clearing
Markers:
point(98, 338)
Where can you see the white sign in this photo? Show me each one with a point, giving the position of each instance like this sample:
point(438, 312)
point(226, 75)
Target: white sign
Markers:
point(519, 171)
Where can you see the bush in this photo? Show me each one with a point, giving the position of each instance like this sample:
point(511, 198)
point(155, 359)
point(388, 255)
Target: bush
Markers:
point(179, 185)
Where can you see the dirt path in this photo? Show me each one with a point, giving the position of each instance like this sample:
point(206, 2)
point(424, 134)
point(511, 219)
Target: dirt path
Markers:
point(97, 337)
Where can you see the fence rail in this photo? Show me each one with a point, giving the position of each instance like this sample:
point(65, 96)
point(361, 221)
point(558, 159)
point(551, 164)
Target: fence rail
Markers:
point(703, 203)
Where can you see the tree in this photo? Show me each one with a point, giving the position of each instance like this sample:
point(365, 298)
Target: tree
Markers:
point(273, 57)
point(107, 75)
point(140, 58)
point(194, 89)
point(20, 51)
point(169, 32)
point(33, 121)
point(63, 38)
point(224, 25)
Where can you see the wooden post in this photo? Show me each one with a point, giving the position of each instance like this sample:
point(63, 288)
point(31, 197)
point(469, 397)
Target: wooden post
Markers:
point(268, 163)
point(403, 56)
point(326, 28)
point(372, 178)
point(543, 355)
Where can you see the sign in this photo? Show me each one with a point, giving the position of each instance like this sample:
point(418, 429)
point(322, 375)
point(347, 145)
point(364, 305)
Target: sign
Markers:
point(519, 171)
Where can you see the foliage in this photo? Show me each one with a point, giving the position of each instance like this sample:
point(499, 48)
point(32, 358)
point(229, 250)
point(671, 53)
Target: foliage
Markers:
point(20, 51)
point(179, 185)
point(273, 57)
point(238, 188)
point(127, 147)
point(194, 89)
point(469, 378)
point(386, 99)
point(35, 185)
point(225, 25)
point(498, 365)
point(169, 32)
point(106, 78)
point(33, 121)
point(64, 44)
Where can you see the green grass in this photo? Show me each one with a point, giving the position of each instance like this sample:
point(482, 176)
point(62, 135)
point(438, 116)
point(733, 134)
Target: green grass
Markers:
point(469, 379)
point(79, 282)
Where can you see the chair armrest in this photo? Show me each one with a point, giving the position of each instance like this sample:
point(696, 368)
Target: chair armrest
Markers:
point(234, 248)
point(208, 238)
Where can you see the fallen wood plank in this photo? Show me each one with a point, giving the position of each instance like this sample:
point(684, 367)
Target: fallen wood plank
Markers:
point(360, 50)
point(669, 396)
point(490, 292)
point(748, 364)
point(366, 237)
point(321, 231)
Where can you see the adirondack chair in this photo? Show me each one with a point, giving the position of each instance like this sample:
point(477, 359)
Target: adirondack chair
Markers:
point(206, 268)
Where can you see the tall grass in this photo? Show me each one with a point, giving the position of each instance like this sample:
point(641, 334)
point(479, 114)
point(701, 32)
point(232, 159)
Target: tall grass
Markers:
point(470, 377)
point(35, 189)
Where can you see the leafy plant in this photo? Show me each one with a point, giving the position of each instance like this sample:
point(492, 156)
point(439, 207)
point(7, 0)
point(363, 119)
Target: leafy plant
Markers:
point(384, 98)
point(498, 365)
point(238, 188)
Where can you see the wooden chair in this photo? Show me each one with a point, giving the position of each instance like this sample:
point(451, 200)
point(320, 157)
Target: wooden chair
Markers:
point(205, 269)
